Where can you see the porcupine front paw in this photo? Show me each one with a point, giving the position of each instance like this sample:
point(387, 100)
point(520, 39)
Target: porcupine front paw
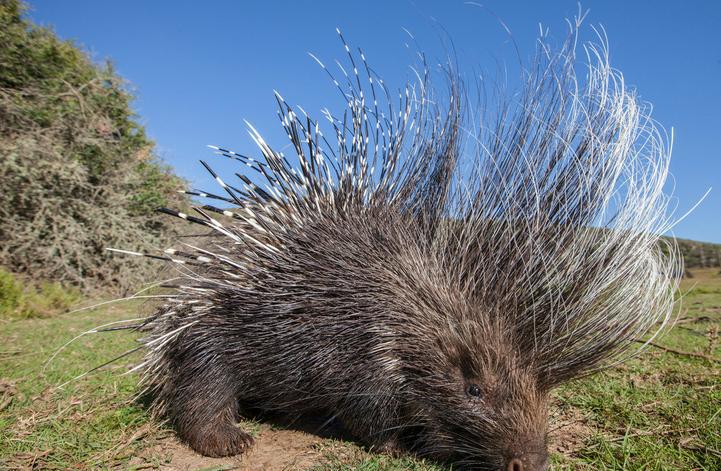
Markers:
point(220, 441)
point(390, 447)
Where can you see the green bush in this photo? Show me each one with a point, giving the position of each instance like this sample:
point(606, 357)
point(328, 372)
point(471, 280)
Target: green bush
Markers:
point(11, 293)
point(79, 173)
point(22, 300)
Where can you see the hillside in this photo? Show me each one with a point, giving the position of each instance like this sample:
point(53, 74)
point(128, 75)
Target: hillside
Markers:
point(78, 170)
point(699, 254)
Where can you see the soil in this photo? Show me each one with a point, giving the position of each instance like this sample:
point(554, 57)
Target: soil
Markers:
point(274, 450)
point(279, 446)
point(568, 430)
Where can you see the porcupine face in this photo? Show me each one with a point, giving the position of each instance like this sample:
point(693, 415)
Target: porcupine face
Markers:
point(480, 404)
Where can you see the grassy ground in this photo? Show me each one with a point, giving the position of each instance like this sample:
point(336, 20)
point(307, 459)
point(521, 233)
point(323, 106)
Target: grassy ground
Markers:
point(661, 411)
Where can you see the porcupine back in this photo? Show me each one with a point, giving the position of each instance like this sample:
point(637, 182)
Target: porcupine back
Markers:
point(388, 227)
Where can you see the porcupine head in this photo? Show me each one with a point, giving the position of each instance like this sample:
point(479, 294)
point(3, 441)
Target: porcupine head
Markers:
point(462, 282)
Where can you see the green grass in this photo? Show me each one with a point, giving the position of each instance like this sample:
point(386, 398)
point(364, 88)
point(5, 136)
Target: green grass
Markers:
point(660, 411)
point(87, 423)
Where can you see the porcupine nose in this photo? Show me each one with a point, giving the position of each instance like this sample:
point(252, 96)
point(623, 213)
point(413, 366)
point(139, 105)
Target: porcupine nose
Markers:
point(515, 465)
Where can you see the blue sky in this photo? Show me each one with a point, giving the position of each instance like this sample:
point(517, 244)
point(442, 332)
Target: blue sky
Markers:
point(199, 68)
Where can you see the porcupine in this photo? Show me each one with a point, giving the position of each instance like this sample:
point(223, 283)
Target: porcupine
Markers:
point(428, 301)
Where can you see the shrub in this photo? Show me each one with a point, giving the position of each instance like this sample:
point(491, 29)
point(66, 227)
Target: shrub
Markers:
point(79, 173)
point(24, 300)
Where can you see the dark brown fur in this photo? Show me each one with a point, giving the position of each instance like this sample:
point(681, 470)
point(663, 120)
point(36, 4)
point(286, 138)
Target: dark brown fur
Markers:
point(366, 326)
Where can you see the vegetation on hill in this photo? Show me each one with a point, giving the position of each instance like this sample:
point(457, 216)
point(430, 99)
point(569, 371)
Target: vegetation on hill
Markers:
point(79, 173)
point(699, 254)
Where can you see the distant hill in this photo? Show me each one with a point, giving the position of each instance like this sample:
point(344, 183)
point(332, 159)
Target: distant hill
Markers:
point(699, 254)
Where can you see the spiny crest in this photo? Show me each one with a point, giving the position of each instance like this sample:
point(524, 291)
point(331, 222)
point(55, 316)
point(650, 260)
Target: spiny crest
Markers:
point(554, 230)
point(561, 219)
point(386, 153)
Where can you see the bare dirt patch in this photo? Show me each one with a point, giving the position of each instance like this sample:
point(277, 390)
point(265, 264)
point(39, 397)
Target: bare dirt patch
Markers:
point(569, 430)
point(8, 391)
point(274, 450)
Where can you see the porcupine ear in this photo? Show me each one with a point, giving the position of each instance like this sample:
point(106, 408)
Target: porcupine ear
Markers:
point(560, 231)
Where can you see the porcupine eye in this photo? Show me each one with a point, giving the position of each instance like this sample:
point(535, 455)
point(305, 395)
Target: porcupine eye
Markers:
point(474, 391)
